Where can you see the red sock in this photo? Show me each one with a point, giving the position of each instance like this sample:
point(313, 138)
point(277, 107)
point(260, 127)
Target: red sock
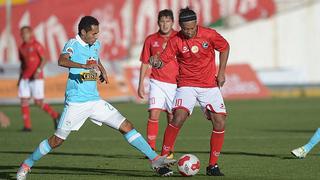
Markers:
point(216, 142)
point(26, 116)
point(152, 132)
point(47, 108)
point(169, 139)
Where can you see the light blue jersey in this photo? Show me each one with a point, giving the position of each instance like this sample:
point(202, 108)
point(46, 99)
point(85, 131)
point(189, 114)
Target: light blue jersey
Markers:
point(79, 90)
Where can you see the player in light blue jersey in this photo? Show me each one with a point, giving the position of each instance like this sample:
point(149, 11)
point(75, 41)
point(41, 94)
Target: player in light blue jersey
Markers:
point(302, 152)
point(82, 100)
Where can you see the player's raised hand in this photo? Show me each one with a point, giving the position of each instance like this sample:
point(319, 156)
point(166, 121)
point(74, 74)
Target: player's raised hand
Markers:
point(221, 79)
point(141, 92)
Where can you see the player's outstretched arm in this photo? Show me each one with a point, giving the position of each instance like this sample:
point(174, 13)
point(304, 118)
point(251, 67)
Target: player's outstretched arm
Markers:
point(64, 61)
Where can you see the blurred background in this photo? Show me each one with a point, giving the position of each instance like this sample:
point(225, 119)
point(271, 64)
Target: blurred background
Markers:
point(274, 43)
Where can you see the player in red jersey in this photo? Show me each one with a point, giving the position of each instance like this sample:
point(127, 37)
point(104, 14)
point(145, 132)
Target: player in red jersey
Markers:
point(31, 82)
point(163, 82)
point(194, 47)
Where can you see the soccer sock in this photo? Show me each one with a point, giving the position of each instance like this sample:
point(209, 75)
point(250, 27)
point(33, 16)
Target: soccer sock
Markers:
point(169, 139)
point(25, 110)
point(43, 149)
point(216, 142)
point(137, 141)
point(152, 132)
point(47, 108)
point(313, 141)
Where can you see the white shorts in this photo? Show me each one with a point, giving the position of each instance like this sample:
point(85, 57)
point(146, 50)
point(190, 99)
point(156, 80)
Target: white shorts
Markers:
point(100, 112)
point(161, 95)
point(31, 88)
point(208, 98)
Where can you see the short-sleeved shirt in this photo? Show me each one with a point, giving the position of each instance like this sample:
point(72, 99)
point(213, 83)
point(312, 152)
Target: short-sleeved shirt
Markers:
point(79, 90)
point(155, 44)
point(30, 54)
point(196, 57)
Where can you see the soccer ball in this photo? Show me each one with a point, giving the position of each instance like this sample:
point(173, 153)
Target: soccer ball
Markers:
point(188, 165)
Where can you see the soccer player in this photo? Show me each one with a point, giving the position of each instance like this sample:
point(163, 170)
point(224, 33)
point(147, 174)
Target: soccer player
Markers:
point(194, 47)
point(163, 82)
point(30, 83)
point(302, 152)
point(82, 100)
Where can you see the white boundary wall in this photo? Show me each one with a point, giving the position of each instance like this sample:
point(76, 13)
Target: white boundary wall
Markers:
point(289, 40)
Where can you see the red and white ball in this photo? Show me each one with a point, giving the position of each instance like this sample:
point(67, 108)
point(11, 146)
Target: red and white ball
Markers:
point(188, 165)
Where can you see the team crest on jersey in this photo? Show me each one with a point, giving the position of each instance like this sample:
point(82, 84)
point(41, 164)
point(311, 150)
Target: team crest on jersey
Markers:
point(185, 49)
point(70, 51)
point(205, 45)
point(30, 49)
point(194, 49)
point(156, 44)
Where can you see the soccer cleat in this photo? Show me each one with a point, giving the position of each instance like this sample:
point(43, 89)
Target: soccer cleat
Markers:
point(213, 170)
point(170, 155)
point(299, 152)
point(162, 161)
point(164, 171)
point(22, 172)
point(26, 129)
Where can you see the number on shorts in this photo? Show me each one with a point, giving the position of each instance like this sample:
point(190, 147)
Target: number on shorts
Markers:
point(152, 100)
point(178, 102)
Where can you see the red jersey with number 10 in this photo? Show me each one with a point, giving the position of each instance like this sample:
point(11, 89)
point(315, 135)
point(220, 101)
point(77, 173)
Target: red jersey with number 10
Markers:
point(30, 56)
point(155, 44)
point(195, 56)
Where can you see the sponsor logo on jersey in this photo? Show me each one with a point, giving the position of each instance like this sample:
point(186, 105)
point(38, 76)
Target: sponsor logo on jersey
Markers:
point(92, 75)
point(185, 49)
point(194, 49)
point(155, 44)
point(205, 45)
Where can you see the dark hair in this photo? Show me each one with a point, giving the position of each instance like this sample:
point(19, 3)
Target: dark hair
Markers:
point(166, 13)
point(86, 22)
point(186, 14)
point(26, 27)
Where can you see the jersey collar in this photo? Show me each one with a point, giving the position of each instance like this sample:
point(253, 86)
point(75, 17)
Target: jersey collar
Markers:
point(78, 38)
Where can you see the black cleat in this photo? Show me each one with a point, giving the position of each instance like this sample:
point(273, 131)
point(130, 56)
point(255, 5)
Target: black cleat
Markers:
point(164, 171)
point(26, 129)
point(213, 170)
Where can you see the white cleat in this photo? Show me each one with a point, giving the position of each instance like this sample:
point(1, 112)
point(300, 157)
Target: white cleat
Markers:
point(162, 161)
point(22, 172)
point(299, 152)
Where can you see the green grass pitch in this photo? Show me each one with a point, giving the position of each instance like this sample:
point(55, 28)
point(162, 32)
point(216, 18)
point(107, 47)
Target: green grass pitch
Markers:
point(259, 137)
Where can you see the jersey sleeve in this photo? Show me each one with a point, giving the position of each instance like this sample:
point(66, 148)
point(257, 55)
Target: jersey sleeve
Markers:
point(146, 52)
point(40, 49)
point(69, 48)
point(170, 52)
point(220, 44)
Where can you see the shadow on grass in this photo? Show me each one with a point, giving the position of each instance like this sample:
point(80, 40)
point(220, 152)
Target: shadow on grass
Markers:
point(241, 153)
point(289, 130)
point(7, 171)
point(114, 156)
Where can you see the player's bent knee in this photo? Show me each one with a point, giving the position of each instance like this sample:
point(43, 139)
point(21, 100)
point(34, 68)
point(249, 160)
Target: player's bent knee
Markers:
point(125, 127)
point(59, 137)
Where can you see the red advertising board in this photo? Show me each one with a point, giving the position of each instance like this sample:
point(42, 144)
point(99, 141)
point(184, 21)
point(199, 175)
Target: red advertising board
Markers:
point(241, 83)
point(123, 23)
